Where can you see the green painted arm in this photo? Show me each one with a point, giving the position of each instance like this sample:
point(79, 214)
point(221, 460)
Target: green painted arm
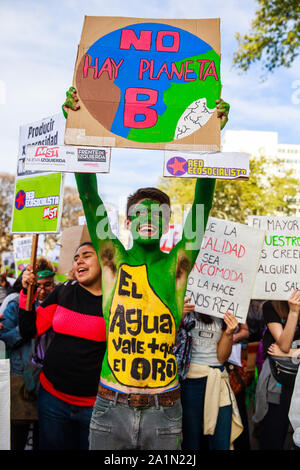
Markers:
point(94, 210)
point(196, 220)
point(195, 223)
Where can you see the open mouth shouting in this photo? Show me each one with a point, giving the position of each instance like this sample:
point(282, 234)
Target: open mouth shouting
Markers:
point(82, 271)
point(147, 230)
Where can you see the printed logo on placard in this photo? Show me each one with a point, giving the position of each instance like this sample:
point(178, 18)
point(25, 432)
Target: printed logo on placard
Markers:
point(28, 199)
point(50, 212)
point(46, 152)
point(91, 155)
point(20, 200)
point(177, 166)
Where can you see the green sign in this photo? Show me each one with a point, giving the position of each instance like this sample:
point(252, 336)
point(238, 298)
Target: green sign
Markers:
point(37, 204)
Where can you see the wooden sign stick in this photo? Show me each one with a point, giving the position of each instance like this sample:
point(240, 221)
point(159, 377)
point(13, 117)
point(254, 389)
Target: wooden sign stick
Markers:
point(32, 262)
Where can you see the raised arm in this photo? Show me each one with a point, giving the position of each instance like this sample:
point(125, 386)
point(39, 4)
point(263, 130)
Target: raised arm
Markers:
point(94, 209)
point(96, 215)
point(196, 220)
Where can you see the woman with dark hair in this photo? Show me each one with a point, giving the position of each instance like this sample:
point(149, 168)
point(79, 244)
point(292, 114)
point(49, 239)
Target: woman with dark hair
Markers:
point(210, 419)
point(71, 370)
point(19, 354)
point(281, 338)
point(15, 291)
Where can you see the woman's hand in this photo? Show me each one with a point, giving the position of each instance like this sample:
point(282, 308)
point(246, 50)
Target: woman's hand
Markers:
point(28, 277)
point(274, 350)
point(187, 308)
point(231, 323)
point(294, 302)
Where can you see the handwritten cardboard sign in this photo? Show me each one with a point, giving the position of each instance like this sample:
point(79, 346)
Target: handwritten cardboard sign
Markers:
point(219, 165)
point(279, 268)
point(147, 83)
point(223, 276)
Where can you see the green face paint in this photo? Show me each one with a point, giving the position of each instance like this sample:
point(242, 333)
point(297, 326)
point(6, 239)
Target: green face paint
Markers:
point(147, 222)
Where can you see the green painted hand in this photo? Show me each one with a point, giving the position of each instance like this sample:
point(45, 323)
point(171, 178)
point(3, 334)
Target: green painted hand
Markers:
point(222, 112)
point(71, 101)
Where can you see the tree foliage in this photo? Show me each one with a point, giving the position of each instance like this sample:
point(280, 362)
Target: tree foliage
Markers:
point(267, 192)
point(274, 37)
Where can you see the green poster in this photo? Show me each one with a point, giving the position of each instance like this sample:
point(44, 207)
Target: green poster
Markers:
point(37, 204)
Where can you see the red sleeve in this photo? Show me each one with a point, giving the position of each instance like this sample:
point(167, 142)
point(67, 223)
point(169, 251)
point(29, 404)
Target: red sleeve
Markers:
point(43, 314)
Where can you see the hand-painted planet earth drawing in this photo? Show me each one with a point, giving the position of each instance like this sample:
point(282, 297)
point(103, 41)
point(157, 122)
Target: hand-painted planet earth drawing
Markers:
point(150, 82)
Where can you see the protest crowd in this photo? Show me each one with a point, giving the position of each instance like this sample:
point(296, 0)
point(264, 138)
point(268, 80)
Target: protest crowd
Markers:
point(236, 379)
point(142, 348)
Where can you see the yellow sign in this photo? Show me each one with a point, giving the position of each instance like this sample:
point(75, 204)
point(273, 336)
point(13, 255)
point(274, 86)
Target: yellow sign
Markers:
point(141, 333)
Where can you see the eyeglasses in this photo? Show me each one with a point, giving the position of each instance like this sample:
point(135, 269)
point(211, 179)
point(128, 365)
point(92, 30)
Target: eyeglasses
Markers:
point(47, 285)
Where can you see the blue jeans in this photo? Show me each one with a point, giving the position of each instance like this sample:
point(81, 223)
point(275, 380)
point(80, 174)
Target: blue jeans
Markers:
point(62, 426)
point(116, 426)
point(192, 399)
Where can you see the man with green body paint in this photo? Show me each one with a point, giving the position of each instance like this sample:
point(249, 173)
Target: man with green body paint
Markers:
point(138, 404)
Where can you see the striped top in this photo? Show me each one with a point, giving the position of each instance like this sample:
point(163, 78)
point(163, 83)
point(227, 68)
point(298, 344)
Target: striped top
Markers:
point(73, 360)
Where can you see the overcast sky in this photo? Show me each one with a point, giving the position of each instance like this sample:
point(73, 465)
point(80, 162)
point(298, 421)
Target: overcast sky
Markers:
point(38, 47)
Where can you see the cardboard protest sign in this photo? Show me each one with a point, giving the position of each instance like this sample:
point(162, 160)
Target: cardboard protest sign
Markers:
point(68, 159)
point(22, 251)
point(223, 276)
point(279, 268)
point(38, 204)
point(47, 131)
point(147, 83)
point(227, 165)
point(53, 256)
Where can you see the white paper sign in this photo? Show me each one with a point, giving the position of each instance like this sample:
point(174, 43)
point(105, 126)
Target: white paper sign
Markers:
point(8, 262)
point(22, 251)
point(47, 131)
point(278, 272)
point(4, 404)
point(236, 355)
point(68, 159)
point(23, 245)
point(171, 238)
point(219, 165)
point(223, 276)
